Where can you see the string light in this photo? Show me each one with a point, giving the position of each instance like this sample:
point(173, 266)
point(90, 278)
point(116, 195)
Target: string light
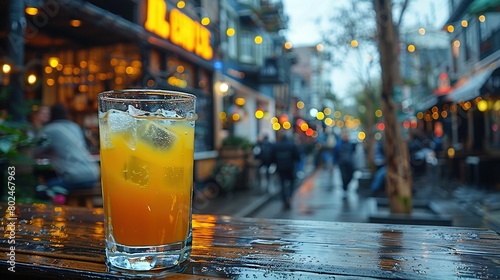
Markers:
point(258, 40)
point(32, 11)
point(205, 21)
point(32, 79)
point(6, 68)
point(230, 32)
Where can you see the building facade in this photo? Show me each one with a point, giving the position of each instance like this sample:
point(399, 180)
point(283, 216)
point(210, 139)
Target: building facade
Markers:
point(468, 107)
point(463, 103)
point(67, 51)
point(474, 28)
point(75, 49)
point(310, 85)
point(254, 70)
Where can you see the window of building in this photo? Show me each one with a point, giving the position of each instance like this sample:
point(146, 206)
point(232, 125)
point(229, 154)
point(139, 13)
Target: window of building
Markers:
point(179, 73)
point(246, 47)
point(232, 41)
point(252, 3)
point(259, 54)
point(75, 77)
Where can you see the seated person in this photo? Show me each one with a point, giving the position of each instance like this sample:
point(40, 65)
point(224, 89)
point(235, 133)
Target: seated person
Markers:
point(64, 144)
point(377, 187)
point(39, 118)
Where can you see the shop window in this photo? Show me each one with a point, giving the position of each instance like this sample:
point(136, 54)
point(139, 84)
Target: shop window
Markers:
point(75, 77)
point(232, 41)
point(179, 73)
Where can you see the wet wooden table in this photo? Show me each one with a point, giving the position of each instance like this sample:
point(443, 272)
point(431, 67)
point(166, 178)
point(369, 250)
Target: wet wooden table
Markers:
point(43, 241)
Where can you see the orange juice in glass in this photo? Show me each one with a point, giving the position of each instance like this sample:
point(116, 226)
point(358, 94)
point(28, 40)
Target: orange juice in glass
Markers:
point(147, 148)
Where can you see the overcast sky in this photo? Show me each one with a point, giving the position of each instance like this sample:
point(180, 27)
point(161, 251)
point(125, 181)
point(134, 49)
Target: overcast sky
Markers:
point(302, 29)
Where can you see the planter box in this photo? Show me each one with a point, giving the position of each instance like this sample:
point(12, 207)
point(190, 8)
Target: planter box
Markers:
point(424, 213)
point(238, 157)
point(234, 155)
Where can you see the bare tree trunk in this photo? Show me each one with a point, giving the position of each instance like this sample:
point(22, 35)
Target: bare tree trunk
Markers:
point(398, 179)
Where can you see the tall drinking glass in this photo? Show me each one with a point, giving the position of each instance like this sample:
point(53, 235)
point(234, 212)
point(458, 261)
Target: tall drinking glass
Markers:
point(147, 149)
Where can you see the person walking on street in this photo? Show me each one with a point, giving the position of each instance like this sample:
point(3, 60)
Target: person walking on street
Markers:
point(286, 155)
point(263, 152)
point(343, 157)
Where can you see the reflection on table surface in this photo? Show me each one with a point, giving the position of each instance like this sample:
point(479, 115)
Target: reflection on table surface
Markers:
point(51, 241)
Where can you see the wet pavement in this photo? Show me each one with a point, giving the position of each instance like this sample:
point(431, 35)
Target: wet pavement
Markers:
point(320, 197)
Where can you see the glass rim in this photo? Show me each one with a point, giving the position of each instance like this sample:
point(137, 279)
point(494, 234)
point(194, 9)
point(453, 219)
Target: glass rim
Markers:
point(118, 95)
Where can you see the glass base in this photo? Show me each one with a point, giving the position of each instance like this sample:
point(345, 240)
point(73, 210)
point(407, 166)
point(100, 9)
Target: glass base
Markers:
point(148, 257)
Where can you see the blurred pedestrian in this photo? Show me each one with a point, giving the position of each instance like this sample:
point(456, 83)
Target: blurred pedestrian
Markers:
point(377, 185)
point(263, 153)
point(300, 166)
point(68, 154)
point(420, 149)
point(286, 155)
point(343, 157)
point(379, 154)
point(438, 143)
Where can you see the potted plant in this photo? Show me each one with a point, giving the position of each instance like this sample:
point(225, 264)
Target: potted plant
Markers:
point(238, 142)
point(13, 140)
point(236, 150)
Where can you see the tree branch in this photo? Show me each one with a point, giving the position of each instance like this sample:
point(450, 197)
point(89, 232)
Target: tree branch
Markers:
point(403, 8)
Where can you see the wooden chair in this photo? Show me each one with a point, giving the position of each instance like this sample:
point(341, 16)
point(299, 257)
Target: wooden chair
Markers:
point(86, 198)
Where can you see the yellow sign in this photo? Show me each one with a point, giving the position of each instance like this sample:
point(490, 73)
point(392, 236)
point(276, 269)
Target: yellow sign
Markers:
point(181, 30)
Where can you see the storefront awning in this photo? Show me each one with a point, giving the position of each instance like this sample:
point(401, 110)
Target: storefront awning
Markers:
point(484, 6)
point(492, 84)
point(471, 88)
point(426, 103)
point(430, 101)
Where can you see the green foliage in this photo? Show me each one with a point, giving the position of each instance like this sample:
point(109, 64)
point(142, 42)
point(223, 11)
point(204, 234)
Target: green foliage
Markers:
point(14, 134)
point(14, 143)
point(237, 141)
point(13, 138)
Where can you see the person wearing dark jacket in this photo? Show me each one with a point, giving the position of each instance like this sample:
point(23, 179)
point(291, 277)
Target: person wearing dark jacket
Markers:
point(343, 156)
point(286, 155)
point(263, 152)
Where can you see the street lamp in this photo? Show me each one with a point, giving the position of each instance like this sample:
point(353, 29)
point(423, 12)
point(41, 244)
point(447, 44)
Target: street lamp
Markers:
point(224, 88)
point(6, 68)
